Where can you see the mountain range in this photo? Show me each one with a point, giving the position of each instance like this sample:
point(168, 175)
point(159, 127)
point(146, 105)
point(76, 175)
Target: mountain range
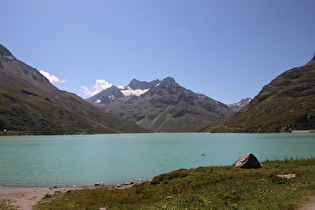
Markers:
point(162, 106)
point(287, 103)
point(30, 104)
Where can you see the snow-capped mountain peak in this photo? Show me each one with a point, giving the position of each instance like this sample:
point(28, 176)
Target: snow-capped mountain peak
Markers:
point(128, 91)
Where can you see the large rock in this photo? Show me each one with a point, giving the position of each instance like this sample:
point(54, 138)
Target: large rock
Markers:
point(247, 160)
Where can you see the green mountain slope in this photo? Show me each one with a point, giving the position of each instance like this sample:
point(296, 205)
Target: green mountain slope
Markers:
point(165, 107)
point(287, 103)
point(30, 104)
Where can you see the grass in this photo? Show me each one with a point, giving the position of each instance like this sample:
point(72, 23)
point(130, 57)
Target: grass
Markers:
point(224, 187)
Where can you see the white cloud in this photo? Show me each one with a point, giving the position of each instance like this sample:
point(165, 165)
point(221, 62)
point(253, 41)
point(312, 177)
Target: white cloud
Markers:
point(51, 78)
point(96, 88)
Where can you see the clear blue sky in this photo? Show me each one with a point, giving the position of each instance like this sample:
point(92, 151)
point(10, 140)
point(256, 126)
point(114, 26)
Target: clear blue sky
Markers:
point(225, 49)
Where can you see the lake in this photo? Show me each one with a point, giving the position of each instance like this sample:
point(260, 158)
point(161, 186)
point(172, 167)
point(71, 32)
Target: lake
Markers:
point(82, 160)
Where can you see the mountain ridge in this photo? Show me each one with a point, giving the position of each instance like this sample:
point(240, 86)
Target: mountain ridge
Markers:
point(164, 107)
point(30, 104)
point(285, 104)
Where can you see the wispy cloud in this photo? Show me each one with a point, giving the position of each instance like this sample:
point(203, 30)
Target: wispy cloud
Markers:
point(96, 88)
point(51, 78)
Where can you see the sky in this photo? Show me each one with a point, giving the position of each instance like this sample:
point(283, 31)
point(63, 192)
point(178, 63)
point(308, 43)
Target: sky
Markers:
point(225, 49)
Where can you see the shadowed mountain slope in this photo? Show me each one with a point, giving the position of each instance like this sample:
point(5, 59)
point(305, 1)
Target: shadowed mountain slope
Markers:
point(30, 104)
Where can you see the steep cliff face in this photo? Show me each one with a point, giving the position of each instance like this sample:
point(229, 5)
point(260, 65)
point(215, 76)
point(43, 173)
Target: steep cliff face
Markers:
point(30, 104)
point(286, 103)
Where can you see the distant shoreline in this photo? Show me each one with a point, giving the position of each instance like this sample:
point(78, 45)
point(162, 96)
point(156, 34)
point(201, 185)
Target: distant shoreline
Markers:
point(303, 131)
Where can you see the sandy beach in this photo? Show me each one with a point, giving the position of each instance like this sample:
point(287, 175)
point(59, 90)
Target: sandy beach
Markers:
point(25, 198)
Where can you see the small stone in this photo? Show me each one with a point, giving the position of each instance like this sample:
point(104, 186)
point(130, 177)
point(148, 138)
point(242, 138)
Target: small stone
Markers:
point(287, 176)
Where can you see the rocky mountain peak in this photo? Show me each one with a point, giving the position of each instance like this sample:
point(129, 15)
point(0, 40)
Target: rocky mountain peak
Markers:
point(163, 106)
point(5, 53)
point(142, 85)
point(169, 80)
point(136, 84)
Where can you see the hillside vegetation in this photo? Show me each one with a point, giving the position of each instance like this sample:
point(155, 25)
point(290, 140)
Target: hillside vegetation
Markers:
point(285, 104)
point(30, 104)
point(225, 187)
point(164, 107)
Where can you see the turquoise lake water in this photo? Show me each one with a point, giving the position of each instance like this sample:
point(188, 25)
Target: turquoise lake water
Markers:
point(116, 158)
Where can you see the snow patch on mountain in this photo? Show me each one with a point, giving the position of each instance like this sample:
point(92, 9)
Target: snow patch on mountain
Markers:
point(127, 91)
point(239, 105)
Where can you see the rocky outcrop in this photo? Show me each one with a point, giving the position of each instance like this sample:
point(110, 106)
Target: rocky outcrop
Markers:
point(247, 160)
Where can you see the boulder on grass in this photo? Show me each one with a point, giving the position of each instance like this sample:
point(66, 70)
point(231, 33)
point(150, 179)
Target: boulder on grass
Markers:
point(247, 160)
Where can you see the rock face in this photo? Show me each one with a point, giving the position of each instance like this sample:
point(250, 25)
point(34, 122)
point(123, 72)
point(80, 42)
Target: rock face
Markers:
point(247, 160)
